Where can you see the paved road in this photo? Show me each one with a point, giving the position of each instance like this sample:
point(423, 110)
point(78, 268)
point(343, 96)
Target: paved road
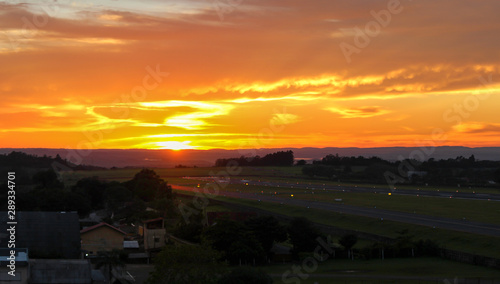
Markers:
point(444, 194)
point(417, 219)
point(312, 186)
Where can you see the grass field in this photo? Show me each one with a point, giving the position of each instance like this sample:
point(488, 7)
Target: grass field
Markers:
point(482, 211)
point(322, 182)
point(479, 244)
point(472, 210)
point(444, 207)
point(121, 175)
point(419, 268)
point(166, 173)
point(275, 174)
point(399, 270)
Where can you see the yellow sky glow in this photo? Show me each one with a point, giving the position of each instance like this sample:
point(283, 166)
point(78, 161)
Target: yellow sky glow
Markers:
point(124, 74)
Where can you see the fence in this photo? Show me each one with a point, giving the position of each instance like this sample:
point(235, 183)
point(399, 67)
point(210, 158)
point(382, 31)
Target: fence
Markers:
point(470, 258)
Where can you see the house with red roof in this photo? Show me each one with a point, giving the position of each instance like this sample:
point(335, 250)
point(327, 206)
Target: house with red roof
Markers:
point(101, 237)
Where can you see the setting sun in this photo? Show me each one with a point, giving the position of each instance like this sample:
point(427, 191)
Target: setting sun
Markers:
point(231, 140)
point(265, 75)
point(174, 145)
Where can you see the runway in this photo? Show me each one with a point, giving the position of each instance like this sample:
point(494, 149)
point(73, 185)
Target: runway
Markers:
point(423, 192)
point(380, 214)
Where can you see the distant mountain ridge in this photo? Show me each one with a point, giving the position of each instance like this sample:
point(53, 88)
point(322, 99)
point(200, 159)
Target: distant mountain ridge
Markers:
point(20, 159)
point(169, 158)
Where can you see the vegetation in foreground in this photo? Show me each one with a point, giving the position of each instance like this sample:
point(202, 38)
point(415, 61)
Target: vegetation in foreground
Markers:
point(460, 241)
point(128, 200)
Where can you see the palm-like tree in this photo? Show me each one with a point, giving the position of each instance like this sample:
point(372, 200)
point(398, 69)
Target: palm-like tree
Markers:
point(348, 241)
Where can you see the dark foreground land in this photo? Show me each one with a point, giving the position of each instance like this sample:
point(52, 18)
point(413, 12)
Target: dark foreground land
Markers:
point(462, 221)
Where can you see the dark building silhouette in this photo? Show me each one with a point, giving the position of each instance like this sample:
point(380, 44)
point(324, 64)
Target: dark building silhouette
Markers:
point(45, 234)
point(21, 275)
point(61, 271)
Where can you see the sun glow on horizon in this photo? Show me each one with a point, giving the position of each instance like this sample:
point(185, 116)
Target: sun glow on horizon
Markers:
point(155, 75)
point(174, 145)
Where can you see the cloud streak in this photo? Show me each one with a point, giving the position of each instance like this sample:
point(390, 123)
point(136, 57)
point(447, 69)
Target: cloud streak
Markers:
point(362, 112)
point(67, 67)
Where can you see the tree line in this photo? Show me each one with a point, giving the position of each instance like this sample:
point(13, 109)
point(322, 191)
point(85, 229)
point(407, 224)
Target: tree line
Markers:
point(223, 247)
point(123, 200)
point(460, 170)
point(20, 160)
point(277, 159)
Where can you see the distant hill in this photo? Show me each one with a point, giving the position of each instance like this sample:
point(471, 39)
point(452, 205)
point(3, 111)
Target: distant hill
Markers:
point(23, 159)
point(169, 158)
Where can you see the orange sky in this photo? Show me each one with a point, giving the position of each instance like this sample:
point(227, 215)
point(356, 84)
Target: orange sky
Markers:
point(249, 74)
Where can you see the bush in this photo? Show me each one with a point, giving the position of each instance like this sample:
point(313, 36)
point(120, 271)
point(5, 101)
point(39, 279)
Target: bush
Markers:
point(427, 248)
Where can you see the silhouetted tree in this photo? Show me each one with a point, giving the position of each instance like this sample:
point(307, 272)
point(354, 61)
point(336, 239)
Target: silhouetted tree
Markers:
point(427, 248)
point(302, 235)
point(267, 230)
point(93, 188)
point(192, 229)
point(235, 241)
point(116, 195)
point(281, 158)
point(147, 185)
point(301, 162)
point(319, 170)
point(404, 243)
point(134, 210)
point(47, 179)
point(348, 241)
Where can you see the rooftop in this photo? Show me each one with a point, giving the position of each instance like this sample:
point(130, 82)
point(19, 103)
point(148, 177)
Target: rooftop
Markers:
point(153, 220)
point(88, 229)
